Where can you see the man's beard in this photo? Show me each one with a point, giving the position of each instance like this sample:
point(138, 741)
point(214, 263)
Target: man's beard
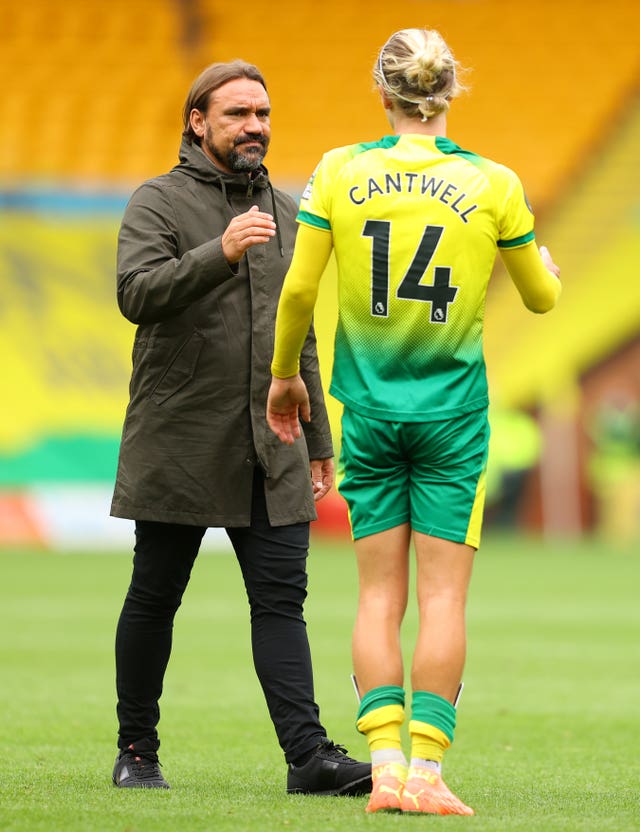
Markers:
point(235, 159)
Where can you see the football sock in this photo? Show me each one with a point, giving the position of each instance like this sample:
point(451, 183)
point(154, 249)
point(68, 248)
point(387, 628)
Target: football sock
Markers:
point(427, 741)
point(388, 755)
point(431, 727)
point(382, 727)
point(380, 716)
point(431, 765)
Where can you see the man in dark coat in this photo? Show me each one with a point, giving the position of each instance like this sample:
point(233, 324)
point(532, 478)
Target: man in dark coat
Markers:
point(202, 253)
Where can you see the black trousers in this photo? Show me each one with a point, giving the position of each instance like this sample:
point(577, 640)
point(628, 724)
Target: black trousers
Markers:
point(273, 564)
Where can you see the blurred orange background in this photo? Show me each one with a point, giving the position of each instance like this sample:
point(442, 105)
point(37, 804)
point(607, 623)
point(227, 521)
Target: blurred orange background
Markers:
point(92, 105)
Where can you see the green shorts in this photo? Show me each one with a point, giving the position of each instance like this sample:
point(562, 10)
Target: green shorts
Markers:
point(428, 474)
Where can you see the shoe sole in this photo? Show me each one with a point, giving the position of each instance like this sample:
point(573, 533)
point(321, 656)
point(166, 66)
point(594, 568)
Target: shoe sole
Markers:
point(384, 810)
point(357, 788)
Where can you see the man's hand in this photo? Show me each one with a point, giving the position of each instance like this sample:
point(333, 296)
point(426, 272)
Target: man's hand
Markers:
point(322, 472)
point(246, 230)
point(287, 398)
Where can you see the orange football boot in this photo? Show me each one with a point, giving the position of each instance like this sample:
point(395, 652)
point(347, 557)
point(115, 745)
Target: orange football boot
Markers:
point(386, 792)
point(426, 792)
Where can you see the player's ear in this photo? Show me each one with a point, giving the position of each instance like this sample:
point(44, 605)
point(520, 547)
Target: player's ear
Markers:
point(384, 98)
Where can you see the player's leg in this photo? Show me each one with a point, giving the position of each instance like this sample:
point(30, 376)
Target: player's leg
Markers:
point(447, 493)
point(443, 574)
point(383, 578)
point(375, 484)
point(383, 570)
point(442, 579)
point(374, 480)
point(162, 563)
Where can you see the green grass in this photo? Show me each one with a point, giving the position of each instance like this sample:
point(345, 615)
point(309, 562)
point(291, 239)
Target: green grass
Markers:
point(548, 729)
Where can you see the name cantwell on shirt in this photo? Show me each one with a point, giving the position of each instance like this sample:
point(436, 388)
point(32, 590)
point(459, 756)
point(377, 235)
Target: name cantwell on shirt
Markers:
point(418, 185)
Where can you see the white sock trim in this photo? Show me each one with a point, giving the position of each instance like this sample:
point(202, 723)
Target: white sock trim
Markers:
point(388, 755)
point(432, 765)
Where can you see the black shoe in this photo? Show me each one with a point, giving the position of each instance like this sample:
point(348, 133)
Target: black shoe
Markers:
point(330, 771)
point(136, 769)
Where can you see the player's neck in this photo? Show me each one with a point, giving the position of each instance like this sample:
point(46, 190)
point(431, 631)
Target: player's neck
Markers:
point(436, 126)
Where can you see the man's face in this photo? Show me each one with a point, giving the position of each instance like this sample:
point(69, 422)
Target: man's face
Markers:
point(236, 129)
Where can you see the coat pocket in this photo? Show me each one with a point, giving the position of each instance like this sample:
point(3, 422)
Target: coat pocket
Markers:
point(180, 369)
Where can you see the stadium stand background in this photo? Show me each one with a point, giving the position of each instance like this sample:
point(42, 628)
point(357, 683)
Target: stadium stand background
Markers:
point(91, 106)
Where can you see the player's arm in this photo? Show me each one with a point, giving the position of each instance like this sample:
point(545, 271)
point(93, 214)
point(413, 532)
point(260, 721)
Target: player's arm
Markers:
point(288, 397)
point(535, 275)
point(298, 299)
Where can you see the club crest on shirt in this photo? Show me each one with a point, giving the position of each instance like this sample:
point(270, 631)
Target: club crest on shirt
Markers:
point(527, 203)
point(306, 194)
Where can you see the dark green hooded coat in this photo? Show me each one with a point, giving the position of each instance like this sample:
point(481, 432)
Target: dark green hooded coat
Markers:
point(195, 426)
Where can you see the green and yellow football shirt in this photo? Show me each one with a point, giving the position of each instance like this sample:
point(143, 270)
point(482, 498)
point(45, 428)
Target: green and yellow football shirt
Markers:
point(416, 222)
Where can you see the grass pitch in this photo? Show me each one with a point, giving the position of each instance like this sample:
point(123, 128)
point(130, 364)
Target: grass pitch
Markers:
point(548, 727)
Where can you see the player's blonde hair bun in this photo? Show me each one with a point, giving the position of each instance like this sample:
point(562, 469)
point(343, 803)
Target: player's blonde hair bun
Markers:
point(417, 68)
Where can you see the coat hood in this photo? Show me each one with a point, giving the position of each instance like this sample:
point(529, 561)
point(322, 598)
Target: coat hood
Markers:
point(194, 163)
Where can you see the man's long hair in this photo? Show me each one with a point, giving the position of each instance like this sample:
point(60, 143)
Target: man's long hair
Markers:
point(208, 81)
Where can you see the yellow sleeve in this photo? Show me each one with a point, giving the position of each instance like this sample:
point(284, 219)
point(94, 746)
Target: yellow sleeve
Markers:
point(539, 289)
point(298, 298)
